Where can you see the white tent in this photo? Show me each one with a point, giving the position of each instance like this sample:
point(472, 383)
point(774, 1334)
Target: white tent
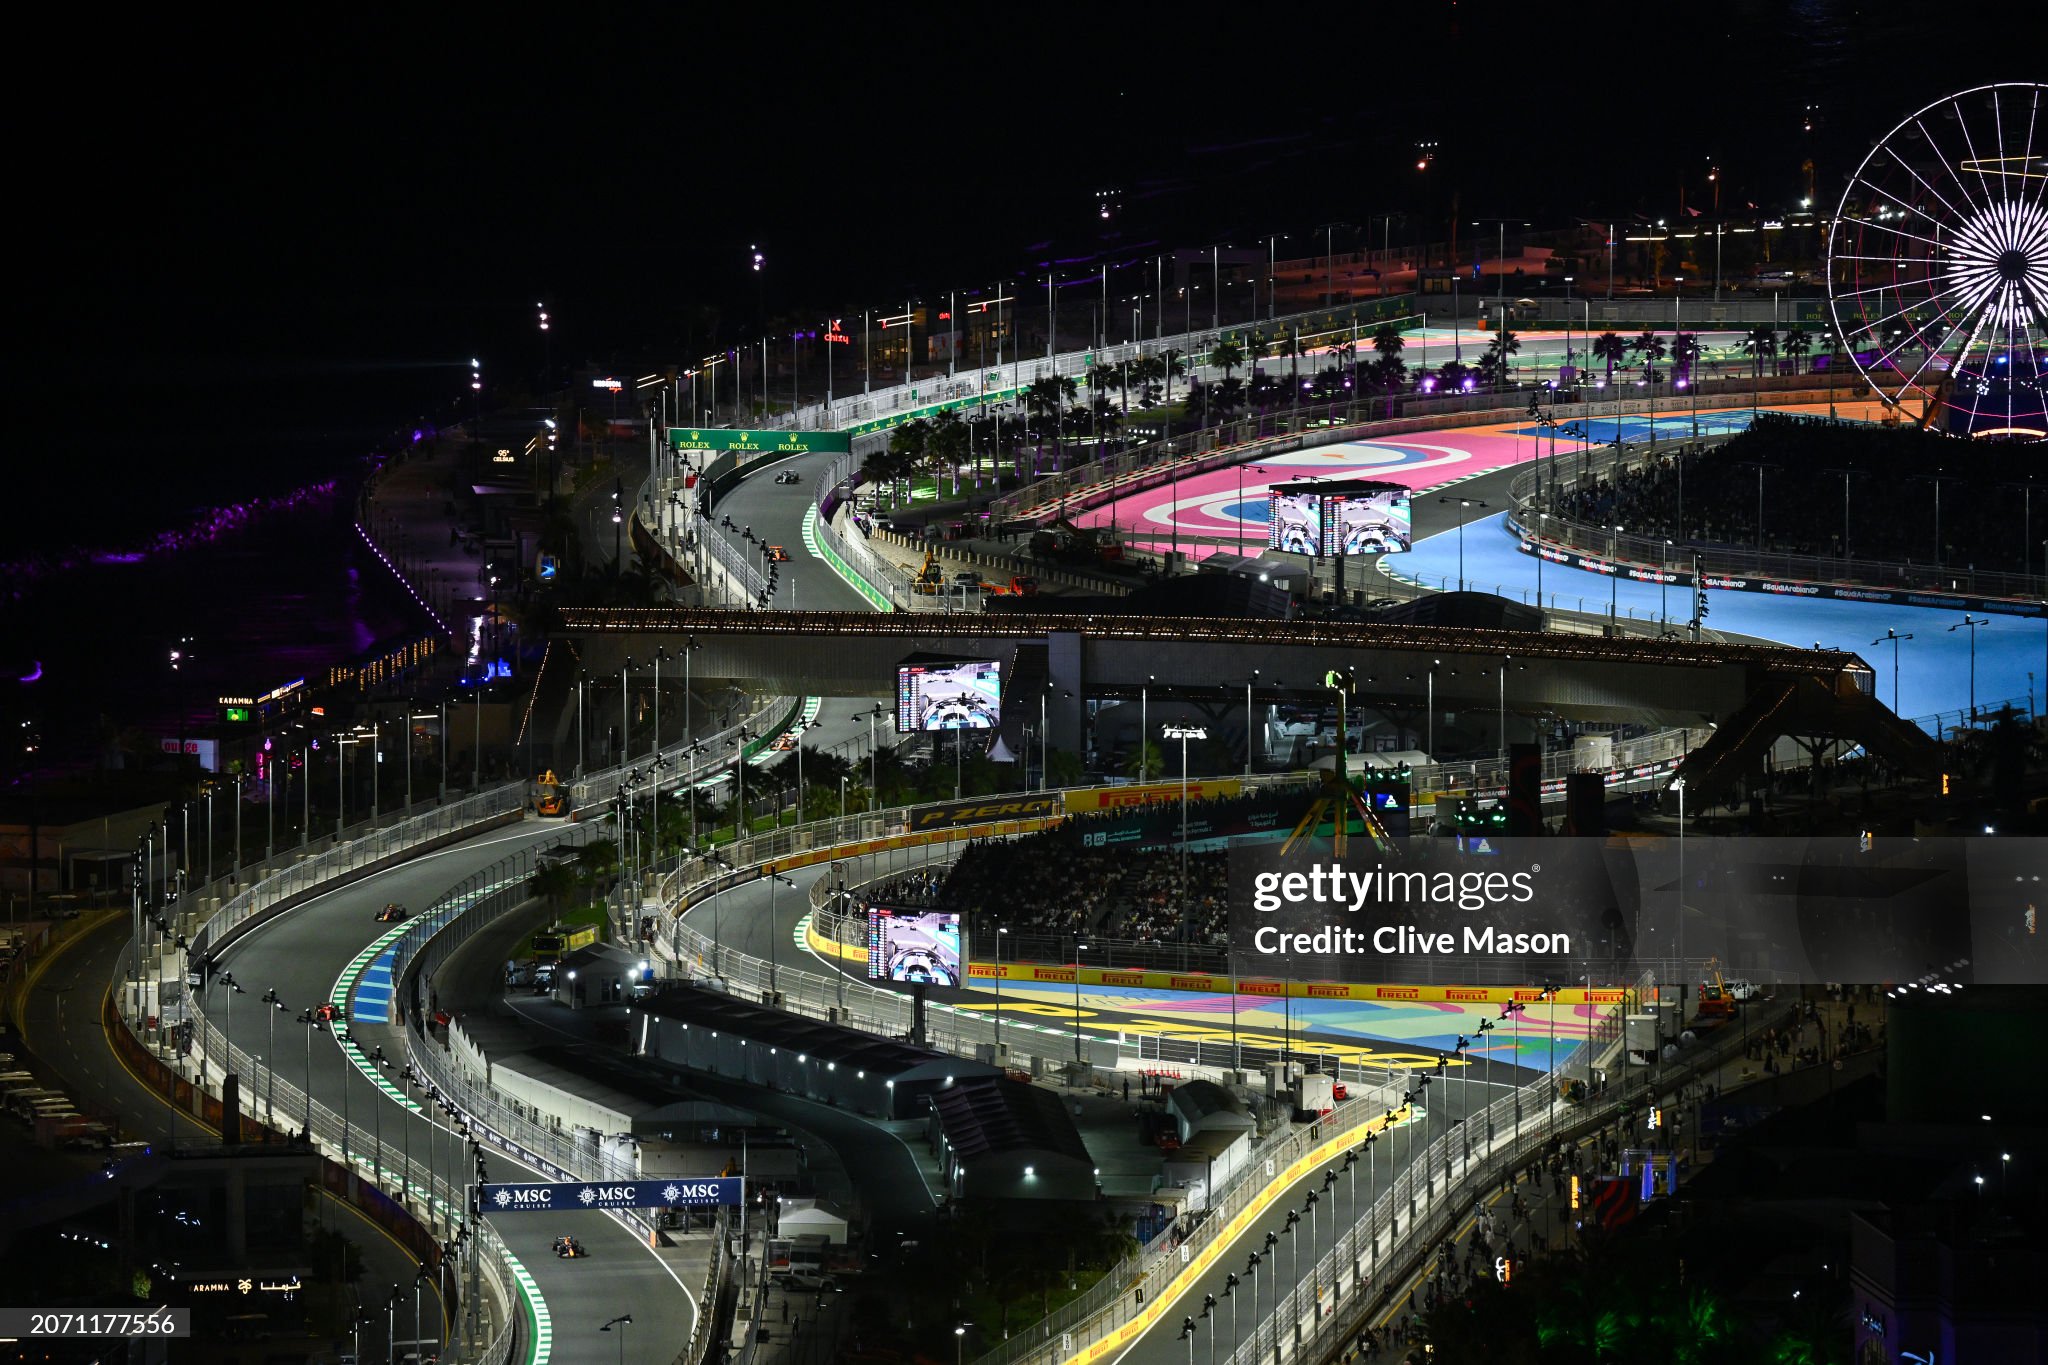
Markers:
point(808, 1216)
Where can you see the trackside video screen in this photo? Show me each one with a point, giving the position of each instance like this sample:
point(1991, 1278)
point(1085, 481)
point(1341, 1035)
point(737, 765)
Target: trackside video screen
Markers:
point(963, 696)
point(914, 946)
point(1368, 523)
point(1294, 522)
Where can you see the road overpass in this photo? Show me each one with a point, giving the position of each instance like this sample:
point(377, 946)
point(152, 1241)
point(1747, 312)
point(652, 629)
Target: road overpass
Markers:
point(855, 654)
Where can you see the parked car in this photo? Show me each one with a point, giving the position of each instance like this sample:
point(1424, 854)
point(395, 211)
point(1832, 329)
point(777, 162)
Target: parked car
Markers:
point(1741, 990)
point(809, 1280)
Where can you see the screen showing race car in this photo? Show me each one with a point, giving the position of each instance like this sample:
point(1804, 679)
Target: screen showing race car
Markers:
point(921, 947)
point(967, 696)
point(1366, 523)
point(1294, 522)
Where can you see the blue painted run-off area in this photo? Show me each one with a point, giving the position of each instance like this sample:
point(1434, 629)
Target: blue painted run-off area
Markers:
point(373, 991)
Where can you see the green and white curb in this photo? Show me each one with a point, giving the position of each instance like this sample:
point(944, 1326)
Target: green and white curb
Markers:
point(540, 1322)
point(820, 550)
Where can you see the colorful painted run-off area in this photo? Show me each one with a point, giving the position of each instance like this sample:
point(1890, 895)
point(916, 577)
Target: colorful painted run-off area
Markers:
point(1406, 1035)
point(1940, 672)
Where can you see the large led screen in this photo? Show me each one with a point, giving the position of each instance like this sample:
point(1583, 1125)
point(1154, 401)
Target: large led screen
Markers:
point(1367, 523)
point(965, 696)
point(920, 947)
point(1294, 522)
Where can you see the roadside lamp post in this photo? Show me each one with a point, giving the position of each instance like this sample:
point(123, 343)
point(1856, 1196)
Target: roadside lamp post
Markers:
point(1079, 948)
point(1184, 733)
point(1461, 503)
point(1895, 639)
point(871, 715)
point(774, 879)
point(313, 1026)
point(1001, 930)
point(1969, 623)
point(270, 1054)
point(227, 1061)
point(1614, 584)
point(1187, 1334)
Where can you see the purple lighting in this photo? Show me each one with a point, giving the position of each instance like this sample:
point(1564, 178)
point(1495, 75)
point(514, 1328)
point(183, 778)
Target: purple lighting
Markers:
point(36, 676)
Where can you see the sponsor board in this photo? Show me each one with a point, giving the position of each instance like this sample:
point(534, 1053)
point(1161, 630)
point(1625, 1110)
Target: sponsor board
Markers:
point(678, 1192)
point(1784, 587)
point(1151, 794)
point(953, 814)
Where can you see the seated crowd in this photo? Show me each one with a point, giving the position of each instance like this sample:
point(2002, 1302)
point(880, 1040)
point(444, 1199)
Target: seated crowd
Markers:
point(1041, 886)
point(1802, 463)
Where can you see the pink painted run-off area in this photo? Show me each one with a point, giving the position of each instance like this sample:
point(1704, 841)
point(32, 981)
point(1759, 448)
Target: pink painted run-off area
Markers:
point(1216, 504)
point(1210, 504)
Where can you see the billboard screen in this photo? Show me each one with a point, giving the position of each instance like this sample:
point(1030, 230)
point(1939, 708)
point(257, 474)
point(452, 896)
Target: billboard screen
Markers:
point(921, 947)
point(1294, 522)
point(1366, 523)
point(966, 696)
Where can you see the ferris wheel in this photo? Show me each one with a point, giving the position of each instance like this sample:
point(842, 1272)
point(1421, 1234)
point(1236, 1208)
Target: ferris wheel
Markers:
point(1938, 264)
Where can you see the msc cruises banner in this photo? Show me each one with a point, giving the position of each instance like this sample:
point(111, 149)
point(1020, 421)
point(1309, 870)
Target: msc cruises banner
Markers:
point(1480, 908)
point(695, 1192)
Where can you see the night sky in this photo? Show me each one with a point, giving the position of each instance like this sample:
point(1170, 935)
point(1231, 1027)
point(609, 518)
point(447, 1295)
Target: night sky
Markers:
point(257, 249)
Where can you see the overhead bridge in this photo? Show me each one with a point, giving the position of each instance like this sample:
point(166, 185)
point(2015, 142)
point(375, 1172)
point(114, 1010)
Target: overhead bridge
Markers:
point(854, 654)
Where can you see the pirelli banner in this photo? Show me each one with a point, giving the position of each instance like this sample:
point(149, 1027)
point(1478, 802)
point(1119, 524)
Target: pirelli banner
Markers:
point(1219, 984)
point(1092, 799)
point(954, 814)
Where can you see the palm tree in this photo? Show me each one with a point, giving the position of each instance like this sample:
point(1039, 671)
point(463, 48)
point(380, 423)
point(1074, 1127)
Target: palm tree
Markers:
point(1345, 353)
point(947, 446)
point(1388, 341)
point(1390, 377)
point(1146, 372)
point(1145, 759)
point(554, 881)
point(1494, 364)
point(1685, 355)
point(1046, 400)
point(1226, 396)
point(910, 445)
point(1173, 362)
point(1761, 343)
point(1612, 348)
point(1797, 343)
point(1649, 349)
point(1102, 378)
point(1290, 346)
point(1226, 355)
point(1257, 349)
point(1451, 376)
